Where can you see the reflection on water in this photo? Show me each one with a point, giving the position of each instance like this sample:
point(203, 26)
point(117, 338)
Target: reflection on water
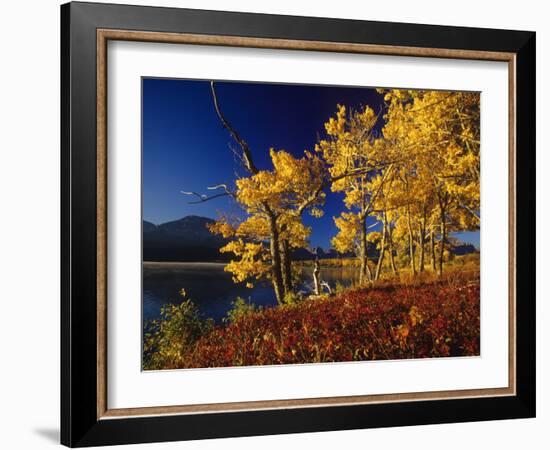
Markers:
point(212, 289)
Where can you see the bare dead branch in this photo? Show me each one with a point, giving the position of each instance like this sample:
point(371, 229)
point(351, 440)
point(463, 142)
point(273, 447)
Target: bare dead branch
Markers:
point(225, 189)
point(219, 186)
point(196, 194)
point(373, 225)
point(246, 157)
point(203, 198)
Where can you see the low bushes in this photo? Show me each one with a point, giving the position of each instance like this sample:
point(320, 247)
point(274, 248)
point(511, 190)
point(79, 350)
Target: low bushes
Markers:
point(387, 322)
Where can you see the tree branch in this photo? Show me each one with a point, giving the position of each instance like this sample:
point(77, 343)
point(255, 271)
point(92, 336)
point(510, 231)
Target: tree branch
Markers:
point(222, 186)
point(204, 198)
point(246, 157)
point(470, 210)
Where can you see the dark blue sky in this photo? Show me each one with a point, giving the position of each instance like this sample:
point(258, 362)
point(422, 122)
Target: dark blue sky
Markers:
point(186, 148)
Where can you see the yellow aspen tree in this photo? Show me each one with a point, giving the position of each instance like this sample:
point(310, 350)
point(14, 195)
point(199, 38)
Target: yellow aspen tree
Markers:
point(438, 135)
point(273, 202)
point(354, 157)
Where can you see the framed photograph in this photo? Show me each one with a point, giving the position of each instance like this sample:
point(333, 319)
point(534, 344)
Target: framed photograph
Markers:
point(276, 224)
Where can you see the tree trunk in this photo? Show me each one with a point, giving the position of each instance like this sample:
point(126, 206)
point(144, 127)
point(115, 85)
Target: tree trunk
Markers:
point(432, 250)
point(411, 243)
point(382, 250)
point(275, 250)
point(443, 232)
point(364, 273)
point(421, 248)
point(391, 249)
point(317, 277)
point(286, 266)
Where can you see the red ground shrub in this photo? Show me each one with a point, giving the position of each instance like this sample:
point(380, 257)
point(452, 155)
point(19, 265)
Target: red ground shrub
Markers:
point(390, 322)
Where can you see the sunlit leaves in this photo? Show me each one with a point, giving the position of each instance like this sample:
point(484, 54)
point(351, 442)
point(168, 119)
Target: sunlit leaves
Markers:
point(348, 225)
point(414, 167)
point(280, 195)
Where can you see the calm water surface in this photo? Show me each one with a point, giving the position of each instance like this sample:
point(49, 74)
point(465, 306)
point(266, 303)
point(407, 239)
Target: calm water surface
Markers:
point(212, 289)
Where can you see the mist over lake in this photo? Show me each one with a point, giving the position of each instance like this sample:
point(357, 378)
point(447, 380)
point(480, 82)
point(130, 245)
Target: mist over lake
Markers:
point(211, 288)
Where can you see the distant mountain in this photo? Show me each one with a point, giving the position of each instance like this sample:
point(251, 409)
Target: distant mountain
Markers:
point(464, 249)
point(458, 247)
point(301, 254)
point(148, 227)
point(186, 239)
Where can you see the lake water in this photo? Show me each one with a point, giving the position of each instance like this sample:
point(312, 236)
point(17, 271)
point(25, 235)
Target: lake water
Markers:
point(212, 289)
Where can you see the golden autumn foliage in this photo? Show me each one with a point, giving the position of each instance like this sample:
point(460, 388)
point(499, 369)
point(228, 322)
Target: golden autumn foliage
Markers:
point(359, 166)
point(409, 176)
point(347, 238)
point(438, 134)
point(274, 201)
point(415, 179)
